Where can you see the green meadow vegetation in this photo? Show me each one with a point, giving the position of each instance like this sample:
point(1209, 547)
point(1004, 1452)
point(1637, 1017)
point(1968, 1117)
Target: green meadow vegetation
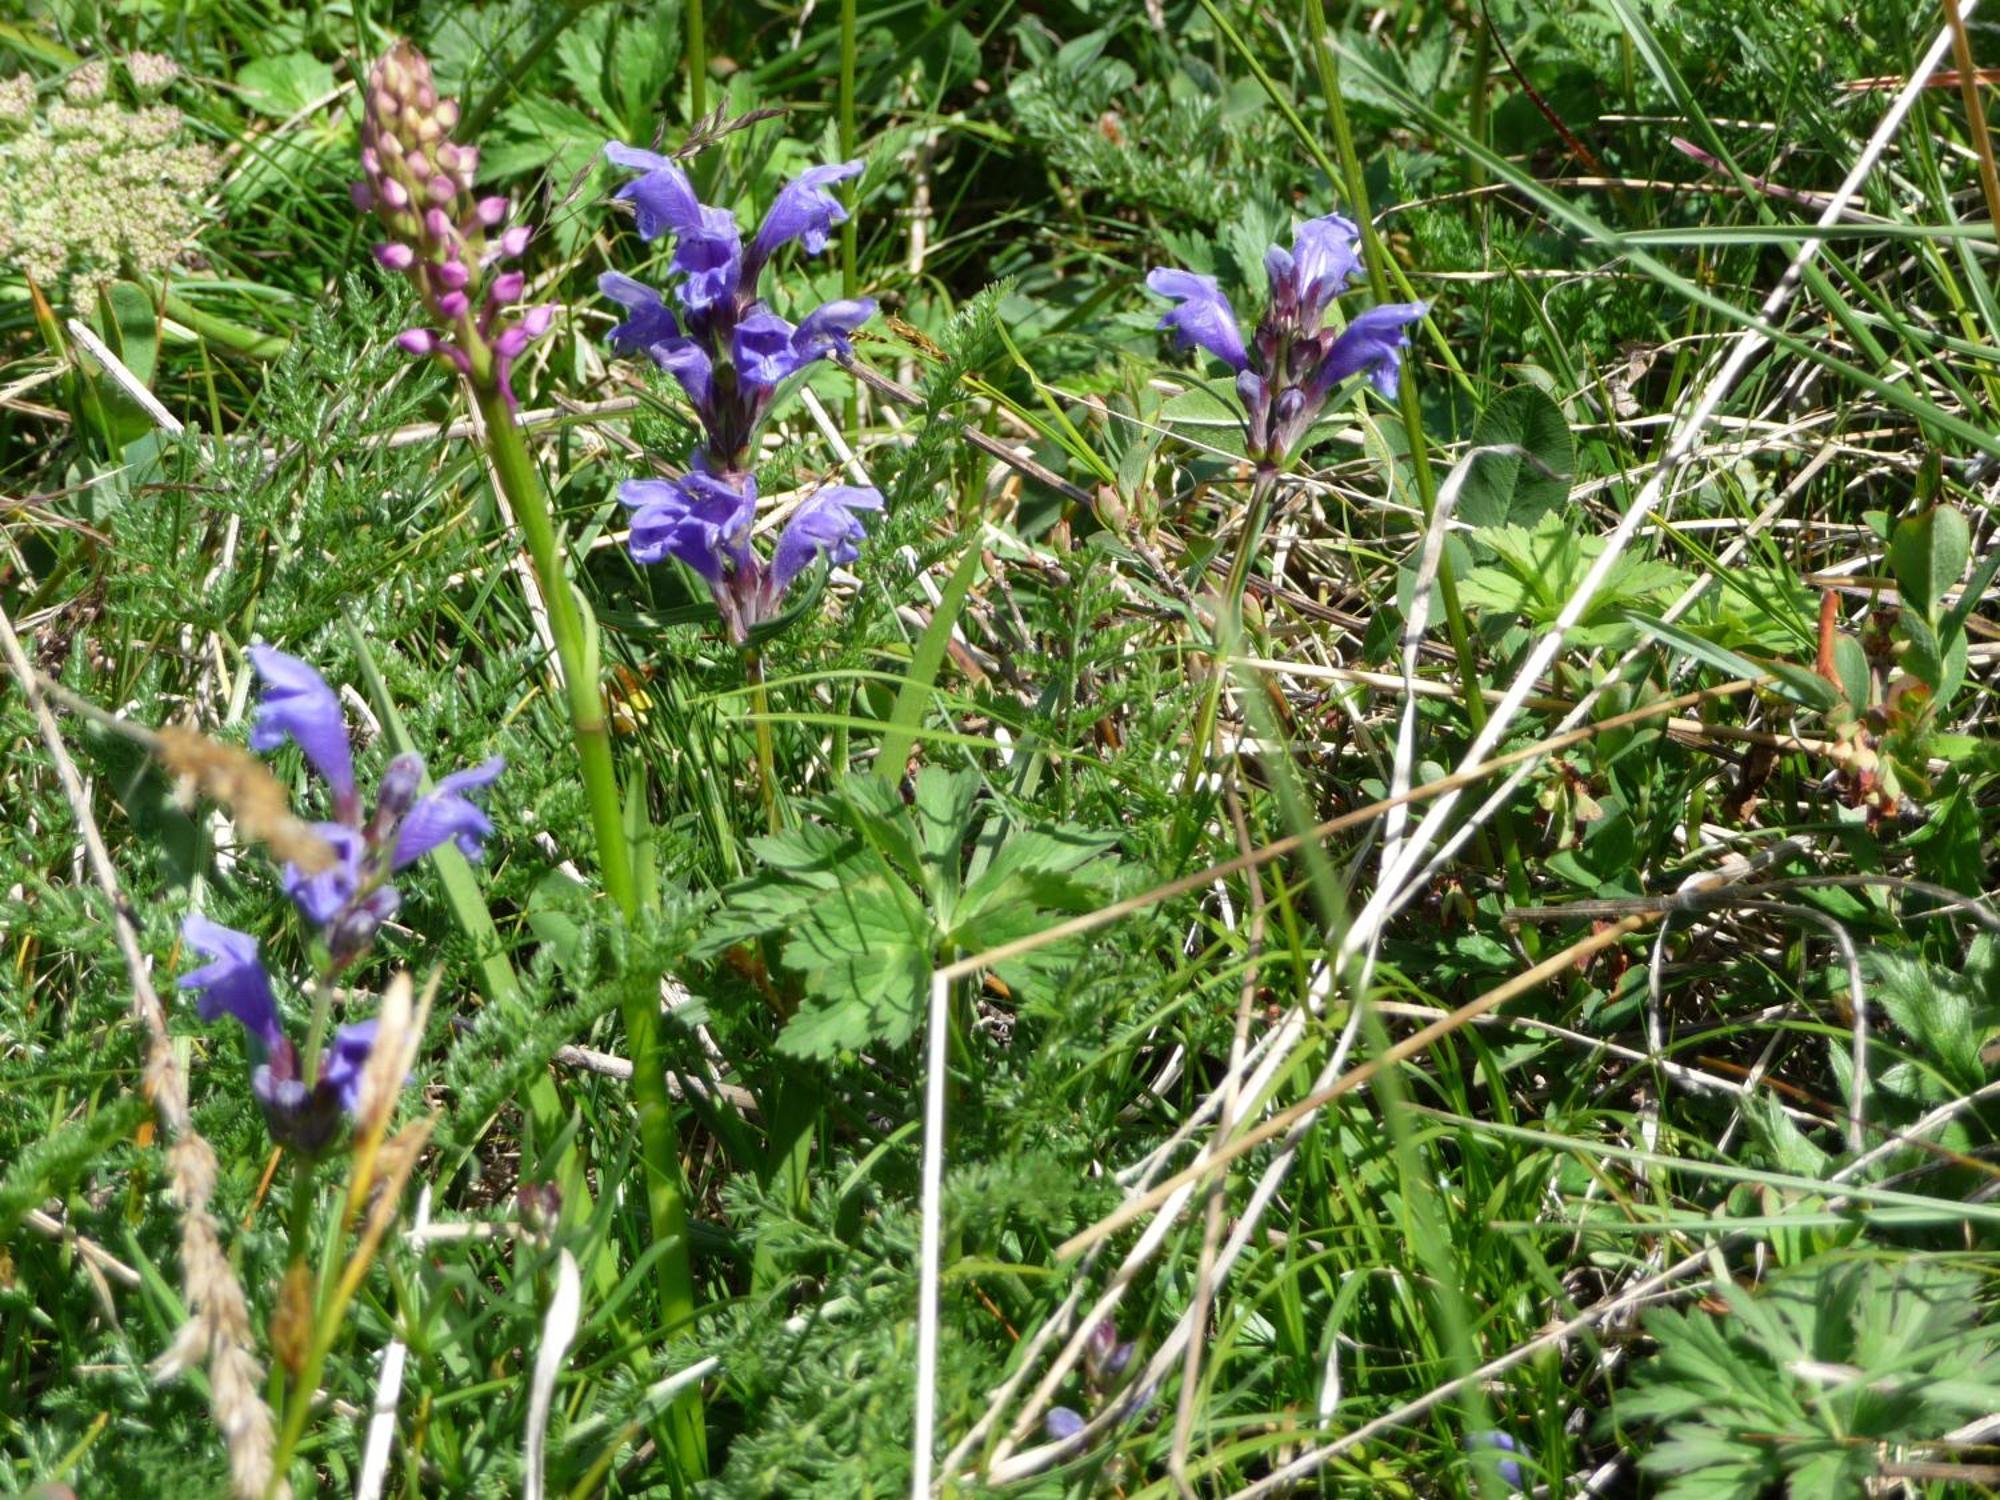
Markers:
point(1051, 748)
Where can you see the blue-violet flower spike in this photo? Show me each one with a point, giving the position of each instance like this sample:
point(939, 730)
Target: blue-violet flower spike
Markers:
point(1203, 317)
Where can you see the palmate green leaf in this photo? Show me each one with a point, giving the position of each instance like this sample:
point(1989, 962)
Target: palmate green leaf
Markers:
point(1504, 487)
point(865, 951)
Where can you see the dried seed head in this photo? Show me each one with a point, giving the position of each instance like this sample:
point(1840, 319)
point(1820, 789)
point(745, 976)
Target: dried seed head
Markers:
point(238, 780)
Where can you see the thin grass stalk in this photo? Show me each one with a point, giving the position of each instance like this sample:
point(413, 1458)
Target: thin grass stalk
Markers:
point(1375, 259)
point(576, 651)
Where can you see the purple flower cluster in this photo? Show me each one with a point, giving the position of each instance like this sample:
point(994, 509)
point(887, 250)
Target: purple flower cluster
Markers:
point(233, 983)
point(729, 351)
point(1292, 362)
point(731, 355)
point(349, 901)
point(704, 520)
point(441, 235)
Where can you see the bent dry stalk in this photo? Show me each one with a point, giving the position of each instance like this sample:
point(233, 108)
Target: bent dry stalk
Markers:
point(419, 184)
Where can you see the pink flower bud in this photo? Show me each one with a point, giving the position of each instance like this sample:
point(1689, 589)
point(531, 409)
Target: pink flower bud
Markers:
point(394, 193)
point(452, 305)
point(417, 341)
point(443, 188)
point(362, 194)
point(420, 165)
point(537, 320)
point(371, 161)
point(510, 344)
point(438, 227)
point(447, 113)
point(452, 275)
point(505, 289)
point(395, 256)
point(492, 211)
point(468, 164)
point(515, 240)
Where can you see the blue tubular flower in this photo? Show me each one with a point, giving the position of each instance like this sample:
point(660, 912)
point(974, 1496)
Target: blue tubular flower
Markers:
point(662, 195)
point(804, 211)
point(651, 322)
point(297, 704)
point(728, 350)
point(322, 897)
point(1323, 260)
point(1203, 318)
point(233, 983)
point(1372, 343)
point(761, 350)
point(448, 814)
point(699, 519)
point(704, 521)
point(828, 330)
point(346, 1055)
point(827, 523)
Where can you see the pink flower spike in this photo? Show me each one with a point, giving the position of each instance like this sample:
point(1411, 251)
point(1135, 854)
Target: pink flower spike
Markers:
point(492, 211)
point(506, 289)
point(396, 257)
point(417, 341)
point(394, 193)
point(515, 240)
point(452, 305)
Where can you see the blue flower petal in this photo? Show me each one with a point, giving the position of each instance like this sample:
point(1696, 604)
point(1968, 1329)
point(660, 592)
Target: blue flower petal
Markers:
point(234, 983)
point(447, 813)
point(297, 704)
point(1203, 318)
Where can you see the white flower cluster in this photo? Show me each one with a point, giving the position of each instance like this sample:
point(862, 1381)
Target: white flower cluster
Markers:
point(91, 188)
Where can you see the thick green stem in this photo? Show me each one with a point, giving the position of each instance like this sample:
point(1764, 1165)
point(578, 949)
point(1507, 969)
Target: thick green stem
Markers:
point(577, 655)
point(697, 60)
point(232, 336)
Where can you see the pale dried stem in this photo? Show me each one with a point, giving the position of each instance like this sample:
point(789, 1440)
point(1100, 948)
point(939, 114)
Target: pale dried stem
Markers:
point(217, 1333)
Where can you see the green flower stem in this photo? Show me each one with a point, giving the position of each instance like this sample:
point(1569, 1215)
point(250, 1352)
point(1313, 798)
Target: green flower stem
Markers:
point(767, 758)
point(697, 60)
point(1229, 623)
point(576, 652)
